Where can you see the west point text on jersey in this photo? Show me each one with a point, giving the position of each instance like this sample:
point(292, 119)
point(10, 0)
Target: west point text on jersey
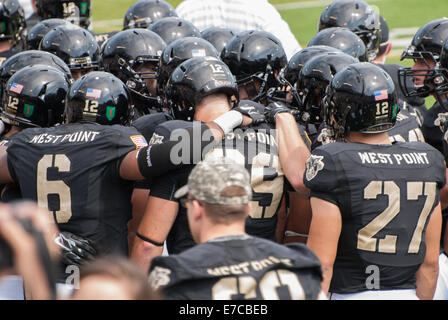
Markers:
point(411, 158)
point(75, 137)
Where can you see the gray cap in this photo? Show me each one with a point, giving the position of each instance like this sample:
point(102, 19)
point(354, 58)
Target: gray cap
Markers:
point(211, 176)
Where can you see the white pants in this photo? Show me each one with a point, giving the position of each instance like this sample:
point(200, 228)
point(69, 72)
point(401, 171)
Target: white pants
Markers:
point(442, 280)
point(405, 294)
point(11, 288)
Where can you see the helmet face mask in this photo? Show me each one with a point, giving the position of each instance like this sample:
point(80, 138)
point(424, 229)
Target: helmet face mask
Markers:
point(313, 79)
point(132, 55)
point(357, 16)
point(428, 49)
point(255, 58)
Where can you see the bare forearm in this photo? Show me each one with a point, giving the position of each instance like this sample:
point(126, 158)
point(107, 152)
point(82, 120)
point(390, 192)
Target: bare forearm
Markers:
point(426, 281)
point(143, 252)
point(293, 151)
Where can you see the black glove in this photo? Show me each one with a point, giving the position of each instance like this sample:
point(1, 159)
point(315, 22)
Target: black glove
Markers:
point(251, 112)
point(75, 250)
point(273, 109)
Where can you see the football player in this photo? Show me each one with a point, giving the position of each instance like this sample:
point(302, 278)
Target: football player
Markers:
point(202, 89)
point(76, 46)
point(423, 78)
point(217, 198)
point(255, 58)
point(376, 205)
point(132, 55)
point(358, 17)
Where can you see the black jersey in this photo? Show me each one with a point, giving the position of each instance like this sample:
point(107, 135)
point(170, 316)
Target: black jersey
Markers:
point(73, 170)
point(254, 147)
point(432, 133)
point(407, 128)
point(238, 268)
point(385, 194)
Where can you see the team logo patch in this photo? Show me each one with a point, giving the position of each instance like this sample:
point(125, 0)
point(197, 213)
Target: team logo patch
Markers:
point(93, 93)
point(159, 277)
point(83, 8)
point(110, 113)
point(16, 87)
point(139, 141)
point(380, 95)
point(156, 139)
point(28, 110)
point(314, 164)
point(394, 111)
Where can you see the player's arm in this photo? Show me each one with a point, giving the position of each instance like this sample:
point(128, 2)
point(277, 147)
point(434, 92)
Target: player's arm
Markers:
point(293, 152)
point(323, 237)
point(299, 218)
point(138, 200)
point(153, 231)
point(156, 160)
point(429, 270)
point(5, 175)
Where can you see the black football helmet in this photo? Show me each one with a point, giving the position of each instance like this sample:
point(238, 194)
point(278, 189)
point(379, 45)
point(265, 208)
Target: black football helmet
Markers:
point(28, 58)
point(75, 45)
point(98, 97)
point(35, 97)
point(12, 23)
point(342, 39)
point(313, 80)
point(125, 52)
point(255, 55)
point(218, 37)
point(74, 11)
point(36, 33)
point(357, 16)
point(145, 12)
point(179, 51)
point(195, 79)
point(288, 76)
point(173, 28)
point(427, 45)
point(361, 97)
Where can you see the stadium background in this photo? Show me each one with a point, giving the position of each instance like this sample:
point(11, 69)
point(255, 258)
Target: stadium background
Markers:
point(404, 17)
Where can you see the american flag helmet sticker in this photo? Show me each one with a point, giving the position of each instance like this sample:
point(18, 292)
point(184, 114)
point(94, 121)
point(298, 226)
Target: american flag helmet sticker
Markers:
point(93, 93)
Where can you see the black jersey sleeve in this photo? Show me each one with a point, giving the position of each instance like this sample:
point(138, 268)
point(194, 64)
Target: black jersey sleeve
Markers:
point(322, 176)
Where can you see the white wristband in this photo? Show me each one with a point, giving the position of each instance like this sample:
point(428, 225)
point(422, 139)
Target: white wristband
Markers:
point(229, 121)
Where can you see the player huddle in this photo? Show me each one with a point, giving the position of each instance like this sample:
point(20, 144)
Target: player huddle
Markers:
point(333, 141)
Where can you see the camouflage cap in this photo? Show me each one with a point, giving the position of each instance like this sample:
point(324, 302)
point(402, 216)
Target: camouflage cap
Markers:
point(210, 177)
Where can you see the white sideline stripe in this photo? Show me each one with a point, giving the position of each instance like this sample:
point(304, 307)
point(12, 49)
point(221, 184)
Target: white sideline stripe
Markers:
point(396, 35)
point(307, 4)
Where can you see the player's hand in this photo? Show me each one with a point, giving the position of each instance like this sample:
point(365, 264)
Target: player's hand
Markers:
point(75, 250)
point(275, 108)
point(250, 115)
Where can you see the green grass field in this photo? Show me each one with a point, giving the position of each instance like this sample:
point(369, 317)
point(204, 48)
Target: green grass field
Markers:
point(303, 21)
